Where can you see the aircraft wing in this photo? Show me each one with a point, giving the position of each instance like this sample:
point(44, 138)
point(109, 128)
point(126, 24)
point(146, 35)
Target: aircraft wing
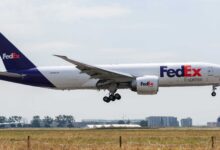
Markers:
point(99, 73)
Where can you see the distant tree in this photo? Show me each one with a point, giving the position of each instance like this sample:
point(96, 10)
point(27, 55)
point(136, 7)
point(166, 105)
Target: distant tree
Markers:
point(47, 121)
point(121, 122)
point(13, 125)
point(16, 119)
point(19, 118)
point(60, 120)
point(65, 120)
point(36, 122)
point(19, 125)
point(3, 119)
point(144, 123)
point(70, 120)
point(10, 120)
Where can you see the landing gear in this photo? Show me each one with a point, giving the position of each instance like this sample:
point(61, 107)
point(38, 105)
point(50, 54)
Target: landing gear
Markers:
point(214, 89)
point(117, 96)
point(106, 99)
point(213, 94)
point(112, 97)
point(112, 93)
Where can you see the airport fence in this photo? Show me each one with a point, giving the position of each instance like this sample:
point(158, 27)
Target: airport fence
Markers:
point(212, 143)
point(109, 139)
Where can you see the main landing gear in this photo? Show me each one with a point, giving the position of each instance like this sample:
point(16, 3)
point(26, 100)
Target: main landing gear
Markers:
point(112, 93)
point(213, 91)
point(112, 97)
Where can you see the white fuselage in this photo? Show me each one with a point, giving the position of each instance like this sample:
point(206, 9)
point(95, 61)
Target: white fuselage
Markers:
point(145, 79)
point(170, 74)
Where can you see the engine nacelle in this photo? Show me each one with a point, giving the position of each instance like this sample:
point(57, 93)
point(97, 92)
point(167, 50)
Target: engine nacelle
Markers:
point(146, 85)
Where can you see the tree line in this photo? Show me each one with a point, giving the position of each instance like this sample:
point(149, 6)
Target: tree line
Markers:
point(60, 121)
point(38, 122)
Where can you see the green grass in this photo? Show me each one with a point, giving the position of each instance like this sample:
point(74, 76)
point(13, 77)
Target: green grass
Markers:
point(64, 139)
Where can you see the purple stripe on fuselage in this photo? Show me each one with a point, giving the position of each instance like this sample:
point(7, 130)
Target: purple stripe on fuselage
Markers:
point(31, 77)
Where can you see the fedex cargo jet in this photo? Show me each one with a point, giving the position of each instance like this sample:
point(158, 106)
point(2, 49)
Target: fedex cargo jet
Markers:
point(145, 79)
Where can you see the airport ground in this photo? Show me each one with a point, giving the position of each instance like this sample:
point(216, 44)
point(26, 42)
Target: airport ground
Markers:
point(109, 139)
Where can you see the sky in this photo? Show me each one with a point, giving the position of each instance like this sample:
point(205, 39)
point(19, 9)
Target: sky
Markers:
point(112, 32)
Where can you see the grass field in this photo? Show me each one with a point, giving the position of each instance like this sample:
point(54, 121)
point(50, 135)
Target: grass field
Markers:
point(61, 139)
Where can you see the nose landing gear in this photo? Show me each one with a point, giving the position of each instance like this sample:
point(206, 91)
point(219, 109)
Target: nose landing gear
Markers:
point(213, 91)
point(213, 94)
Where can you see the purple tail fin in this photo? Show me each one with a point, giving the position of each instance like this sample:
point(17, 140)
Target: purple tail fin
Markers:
point(12, 58)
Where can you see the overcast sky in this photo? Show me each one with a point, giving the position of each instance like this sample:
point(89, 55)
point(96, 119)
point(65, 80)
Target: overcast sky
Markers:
point(112, 32)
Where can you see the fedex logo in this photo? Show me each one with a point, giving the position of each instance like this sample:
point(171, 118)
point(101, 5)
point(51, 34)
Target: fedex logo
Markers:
point(10, 56)
point(149, 84)
point(184, 71)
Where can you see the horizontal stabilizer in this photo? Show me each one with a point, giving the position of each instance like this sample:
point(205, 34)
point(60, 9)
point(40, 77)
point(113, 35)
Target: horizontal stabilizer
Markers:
point(13, 75)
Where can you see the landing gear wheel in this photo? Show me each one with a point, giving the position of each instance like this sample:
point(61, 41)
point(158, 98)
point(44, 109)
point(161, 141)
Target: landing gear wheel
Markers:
point(214, 88)
point(106, 99)
point(117, 96)
point(213, 94)
point(112, 97)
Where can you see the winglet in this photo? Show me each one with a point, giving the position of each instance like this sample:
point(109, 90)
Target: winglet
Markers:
point(69, 60)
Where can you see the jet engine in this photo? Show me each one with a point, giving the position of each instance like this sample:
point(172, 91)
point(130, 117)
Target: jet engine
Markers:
point(146, 85)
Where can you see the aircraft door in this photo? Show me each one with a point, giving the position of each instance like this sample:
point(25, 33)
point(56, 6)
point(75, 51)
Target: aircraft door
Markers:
point(210, 71)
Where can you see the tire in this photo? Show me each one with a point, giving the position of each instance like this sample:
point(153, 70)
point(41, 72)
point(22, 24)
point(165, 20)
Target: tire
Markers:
point(213, 94)
point(112, 97)
point(117, 96)
point(106, 99)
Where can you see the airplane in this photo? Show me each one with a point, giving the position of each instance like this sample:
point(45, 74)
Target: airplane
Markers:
point(145, 79)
